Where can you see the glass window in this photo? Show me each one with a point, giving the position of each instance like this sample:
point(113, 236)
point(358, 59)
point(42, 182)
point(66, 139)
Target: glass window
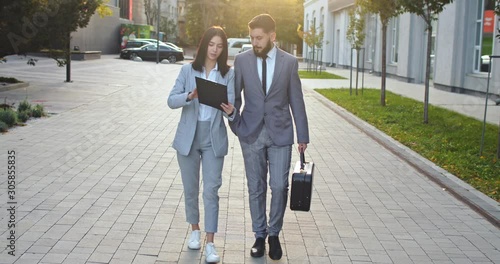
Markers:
point(394, 39)
point(371, 36)
point(124, 9)
point(321, 17)
point(434, 24)
point(484, 35)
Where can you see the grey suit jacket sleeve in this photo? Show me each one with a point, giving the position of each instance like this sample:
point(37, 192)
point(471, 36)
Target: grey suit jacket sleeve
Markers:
point(179, 94)
point(297, 105)
point(230, 92)
point(238, 88)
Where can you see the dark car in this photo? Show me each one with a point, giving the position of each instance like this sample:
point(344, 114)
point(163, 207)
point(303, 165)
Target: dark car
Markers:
point(148, 52)
point(136, 43)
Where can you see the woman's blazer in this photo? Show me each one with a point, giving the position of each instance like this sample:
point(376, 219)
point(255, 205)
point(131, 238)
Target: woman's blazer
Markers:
point(186, 127)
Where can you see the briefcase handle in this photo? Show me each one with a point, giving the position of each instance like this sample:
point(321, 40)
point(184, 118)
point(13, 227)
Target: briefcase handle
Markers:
point(302, 160)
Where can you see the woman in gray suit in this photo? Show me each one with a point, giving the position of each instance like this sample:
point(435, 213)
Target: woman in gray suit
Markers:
point(201, 136)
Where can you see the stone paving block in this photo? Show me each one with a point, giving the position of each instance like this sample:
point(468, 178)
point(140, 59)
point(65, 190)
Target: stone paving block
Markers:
point(27, 258)
point(107, 189)
point(53, 258)
point(100, 257)
point(63, 247)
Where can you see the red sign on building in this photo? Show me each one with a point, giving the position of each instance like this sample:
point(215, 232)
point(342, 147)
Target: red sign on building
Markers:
point(489, 21)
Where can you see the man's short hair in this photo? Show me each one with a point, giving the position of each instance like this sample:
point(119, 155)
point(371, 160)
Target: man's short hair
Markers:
point(264, 21)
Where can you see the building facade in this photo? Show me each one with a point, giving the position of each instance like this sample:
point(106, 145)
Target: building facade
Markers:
point(462, 38)
point(102, 34)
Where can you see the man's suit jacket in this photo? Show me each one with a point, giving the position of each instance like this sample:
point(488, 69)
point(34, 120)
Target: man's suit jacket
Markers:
point(271, 110)
point(186, 127)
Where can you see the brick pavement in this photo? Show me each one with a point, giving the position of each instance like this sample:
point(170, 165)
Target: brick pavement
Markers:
point(99, 183)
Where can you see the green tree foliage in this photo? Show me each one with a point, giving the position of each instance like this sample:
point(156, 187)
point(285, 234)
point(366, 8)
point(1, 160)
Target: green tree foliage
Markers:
point(386, 9)
point(356, 28)
point(202, 14)
point(19, 25)
point(234, 15)
point(356, 36)
point(313, 37)
point(169, 26)
point(428, 10)
point(71, 15)
point(29, 25)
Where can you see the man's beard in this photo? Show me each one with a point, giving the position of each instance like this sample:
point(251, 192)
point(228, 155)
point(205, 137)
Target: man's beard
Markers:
point(265, 50)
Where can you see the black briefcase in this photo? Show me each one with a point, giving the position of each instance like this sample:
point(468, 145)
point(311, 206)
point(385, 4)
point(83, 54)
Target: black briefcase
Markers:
point(302, 179)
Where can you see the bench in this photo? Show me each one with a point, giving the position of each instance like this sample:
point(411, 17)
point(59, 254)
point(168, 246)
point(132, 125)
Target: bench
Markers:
point(85, 55)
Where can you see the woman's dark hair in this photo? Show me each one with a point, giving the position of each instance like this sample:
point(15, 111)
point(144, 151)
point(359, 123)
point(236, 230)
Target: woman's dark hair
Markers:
point(201, 53)
point(263, 21)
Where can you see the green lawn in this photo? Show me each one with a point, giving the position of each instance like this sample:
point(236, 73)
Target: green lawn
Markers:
point(487, 47)
point(318, 75)
point(450, 140)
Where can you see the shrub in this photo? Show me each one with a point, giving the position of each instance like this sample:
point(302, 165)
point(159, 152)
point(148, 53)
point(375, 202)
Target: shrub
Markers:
point(8, 116)
point(9, 80)
point(23, 116)
point(24, 106)
point(38, 111)
point(3, 127)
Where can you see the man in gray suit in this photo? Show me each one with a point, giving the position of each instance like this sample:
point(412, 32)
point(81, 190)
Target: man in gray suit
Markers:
point(269, 80)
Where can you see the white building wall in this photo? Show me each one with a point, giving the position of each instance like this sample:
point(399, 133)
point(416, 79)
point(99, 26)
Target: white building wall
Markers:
point(454, 45)
point(101, 33)
point(341, 42)
point(329, 38)
point(312, 12)
point(405, 25)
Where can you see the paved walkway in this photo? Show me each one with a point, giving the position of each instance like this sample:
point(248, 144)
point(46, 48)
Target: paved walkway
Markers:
point(98, 182)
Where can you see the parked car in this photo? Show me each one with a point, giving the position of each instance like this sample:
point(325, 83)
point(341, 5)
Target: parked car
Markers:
point(136, 43)
point(235, 44)
point(153, 41)
point(245, 47)
point(148, 52)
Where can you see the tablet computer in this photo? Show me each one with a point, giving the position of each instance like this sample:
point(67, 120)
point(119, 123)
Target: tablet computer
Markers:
point(211, 93)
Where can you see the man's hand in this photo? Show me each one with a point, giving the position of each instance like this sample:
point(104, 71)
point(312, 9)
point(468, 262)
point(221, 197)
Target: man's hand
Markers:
point(302, 147)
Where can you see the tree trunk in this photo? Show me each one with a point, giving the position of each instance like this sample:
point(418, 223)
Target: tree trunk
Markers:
point(357, 70)
point(427, 72)
point(384, 59)
point(498, 145)
point(350, 79)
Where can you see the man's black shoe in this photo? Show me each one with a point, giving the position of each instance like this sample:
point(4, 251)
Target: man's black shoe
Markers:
point(275, 251)
point(258, 248)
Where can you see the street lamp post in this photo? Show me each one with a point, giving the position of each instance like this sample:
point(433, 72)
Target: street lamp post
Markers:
point(158, 33)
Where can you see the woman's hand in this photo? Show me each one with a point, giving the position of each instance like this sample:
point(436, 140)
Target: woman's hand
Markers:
point(228, 108)
point(193, 94)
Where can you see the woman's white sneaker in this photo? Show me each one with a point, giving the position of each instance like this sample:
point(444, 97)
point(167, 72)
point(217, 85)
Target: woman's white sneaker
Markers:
point(211, 254)
point(194, 240)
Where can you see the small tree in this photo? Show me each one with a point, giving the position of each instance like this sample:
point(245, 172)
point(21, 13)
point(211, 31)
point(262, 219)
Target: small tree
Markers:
point(386, 9)
point(428, 10)
point(356, 35)
point(169, 26)
point(150, 10)
point(313, 38)
point(72, 15)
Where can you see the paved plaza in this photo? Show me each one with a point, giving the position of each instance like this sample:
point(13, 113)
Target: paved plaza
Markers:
point(98, 180)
